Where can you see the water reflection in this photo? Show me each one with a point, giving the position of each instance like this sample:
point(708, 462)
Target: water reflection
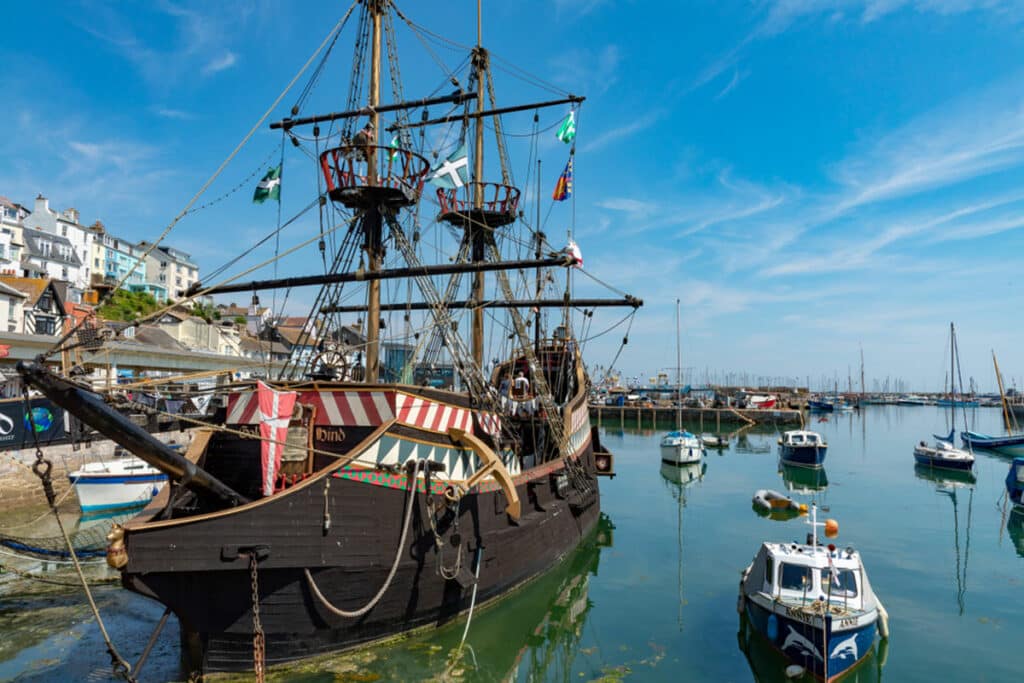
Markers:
point(678, 478)
point(769, 665)
point(532, 635)
point(951, 484)
point(1015, 527)
point(754, 443)
point(805, 480)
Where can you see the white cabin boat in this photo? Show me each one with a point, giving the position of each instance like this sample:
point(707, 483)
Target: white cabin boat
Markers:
point(118, 484)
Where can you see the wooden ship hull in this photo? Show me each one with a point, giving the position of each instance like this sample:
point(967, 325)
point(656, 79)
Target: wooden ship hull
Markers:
point(198, 566)
point(322, 512)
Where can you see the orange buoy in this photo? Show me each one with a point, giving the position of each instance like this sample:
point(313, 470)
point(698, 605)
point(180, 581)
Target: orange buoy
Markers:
point(831, 528)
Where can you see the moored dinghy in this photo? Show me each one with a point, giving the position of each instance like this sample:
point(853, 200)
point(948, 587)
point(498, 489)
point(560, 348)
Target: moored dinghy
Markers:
point(813, 603)
point(773, 504)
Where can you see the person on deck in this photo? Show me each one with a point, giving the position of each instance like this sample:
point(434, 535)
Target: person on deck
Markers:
point(521, 387)
point(504, 386)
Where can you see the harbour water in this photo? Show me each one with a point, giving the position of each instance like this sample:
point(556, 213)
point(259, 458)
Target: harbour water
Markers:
point(652, 596)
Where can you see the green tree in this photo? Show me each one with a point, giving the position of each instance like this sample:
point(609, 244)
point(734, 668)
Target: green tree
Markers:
point(128, 306)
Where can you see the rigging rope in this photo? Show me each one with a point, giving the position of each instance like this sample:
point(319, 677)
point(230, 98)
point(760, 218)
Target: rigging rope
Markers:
point(142, 258)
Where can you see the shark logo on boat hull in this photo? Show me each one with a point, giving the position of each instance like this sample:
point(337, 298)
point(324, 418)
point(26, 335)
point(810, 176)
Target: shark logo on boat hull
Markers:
point(804, 646)
point(846, 648)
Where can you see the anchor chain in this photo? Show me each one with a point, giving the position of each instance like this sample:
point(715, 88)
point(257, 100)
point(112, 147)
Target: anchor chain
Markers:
point(258, 640)
point(455, 539)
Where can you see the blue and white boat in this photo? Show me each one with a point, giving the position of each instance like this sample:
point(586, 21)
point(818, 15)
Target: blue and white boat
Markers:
point(1015, 484)
point(814, 604)
point(820, 406)
point(120, 484)
point(1006, 445)
point(943, 454)
point(802, 447)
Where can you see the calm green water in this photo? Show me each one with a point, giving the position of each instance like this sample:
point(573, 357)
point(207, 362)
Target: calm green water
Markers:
point(652, 597)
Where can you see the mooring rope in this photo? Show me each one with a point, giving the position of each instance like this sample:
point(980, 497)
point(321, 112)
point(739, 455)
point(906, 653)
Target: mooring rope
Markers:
point(42, 469)
point(413, 480)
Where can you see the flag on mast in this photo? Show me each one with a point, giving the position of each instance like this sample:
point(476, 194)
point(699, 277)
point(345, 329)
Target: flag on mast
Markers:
point(567, 131)
point(563, 188)
point(454, 172)
point(269, 187)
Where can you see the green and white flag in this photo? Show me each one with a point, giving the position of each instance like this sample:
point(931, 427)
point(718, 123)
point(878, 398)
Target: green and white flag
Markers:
point(393, 154)
point(269, 187)
point(567, 131)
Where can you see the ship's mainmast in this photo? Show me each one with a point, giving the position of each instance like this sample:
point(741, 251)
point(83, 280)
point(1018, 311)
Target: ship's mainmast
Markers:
point(372, 226)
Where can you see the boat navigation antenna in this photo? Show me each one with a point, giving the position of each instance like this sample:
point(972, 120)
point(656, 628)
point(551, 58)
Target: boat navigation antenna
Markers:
point(831, 527)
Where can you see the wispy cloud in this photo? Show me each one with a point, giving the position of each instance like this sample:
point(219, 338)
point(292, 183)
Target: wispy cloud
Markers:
point(102, 173)
point(177, 114)
point(778, 16)
point(607, 137)
point(737, 76)
point(224, 61)
point(198, 44)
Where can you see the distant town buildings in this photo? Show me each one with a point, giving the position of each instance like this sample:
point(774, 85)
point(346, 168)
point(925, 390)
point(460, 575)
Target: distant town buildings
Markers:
point(55, 269)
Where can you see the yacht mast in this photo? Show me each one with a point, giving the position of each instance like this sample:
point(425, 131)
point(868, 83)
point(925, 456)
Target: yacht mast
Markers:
point(679, 375)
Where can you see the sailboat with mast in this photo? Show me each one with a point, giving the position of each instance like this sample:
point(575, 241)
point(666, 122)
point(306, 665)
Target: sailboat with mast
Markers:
point(1013, 443)
point(342, 503)
point(943, 454)
point(680, 447)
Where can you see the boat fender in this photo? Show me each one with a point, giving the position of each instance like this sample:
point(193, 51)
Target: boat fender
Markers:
point(772, 629)
point(795, 671)
point(117, 556)
point(883, 621)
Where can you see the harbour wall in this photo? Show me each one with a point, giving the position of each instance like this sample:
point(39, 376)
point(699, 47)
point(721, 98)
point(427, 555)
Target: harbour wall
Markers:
point(703, 419)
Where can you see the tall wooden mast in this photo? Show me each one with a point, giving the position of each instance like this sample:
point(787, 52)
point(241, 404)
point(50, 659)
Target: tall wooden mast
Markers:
point(476, 229)
point(372, 225)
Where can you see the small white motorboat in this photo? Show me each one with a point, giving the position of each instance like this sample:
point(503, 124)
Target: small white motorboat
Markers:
point(121, 483)
point(813, 603)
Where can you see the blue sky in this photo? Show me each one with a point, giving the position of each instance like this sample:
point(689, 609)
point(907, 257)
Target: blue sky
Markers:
point(808, 177)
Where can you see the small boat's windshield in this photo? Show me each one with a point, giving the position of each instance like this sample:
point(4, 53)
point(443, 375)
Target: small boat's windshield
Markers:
point(795, 577)
point(843, 582)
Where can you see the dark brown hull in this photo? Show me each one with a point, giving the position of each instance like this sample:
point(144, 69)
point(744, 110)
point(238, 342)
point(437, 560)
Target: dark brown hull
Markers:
point(193, 565)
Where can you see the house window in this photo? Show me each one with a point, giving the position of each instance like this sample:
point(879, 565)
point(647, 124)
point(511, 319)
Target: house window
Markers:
point(11, 317)
point(45, 301)
point(45, 325)
point(64, 231)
